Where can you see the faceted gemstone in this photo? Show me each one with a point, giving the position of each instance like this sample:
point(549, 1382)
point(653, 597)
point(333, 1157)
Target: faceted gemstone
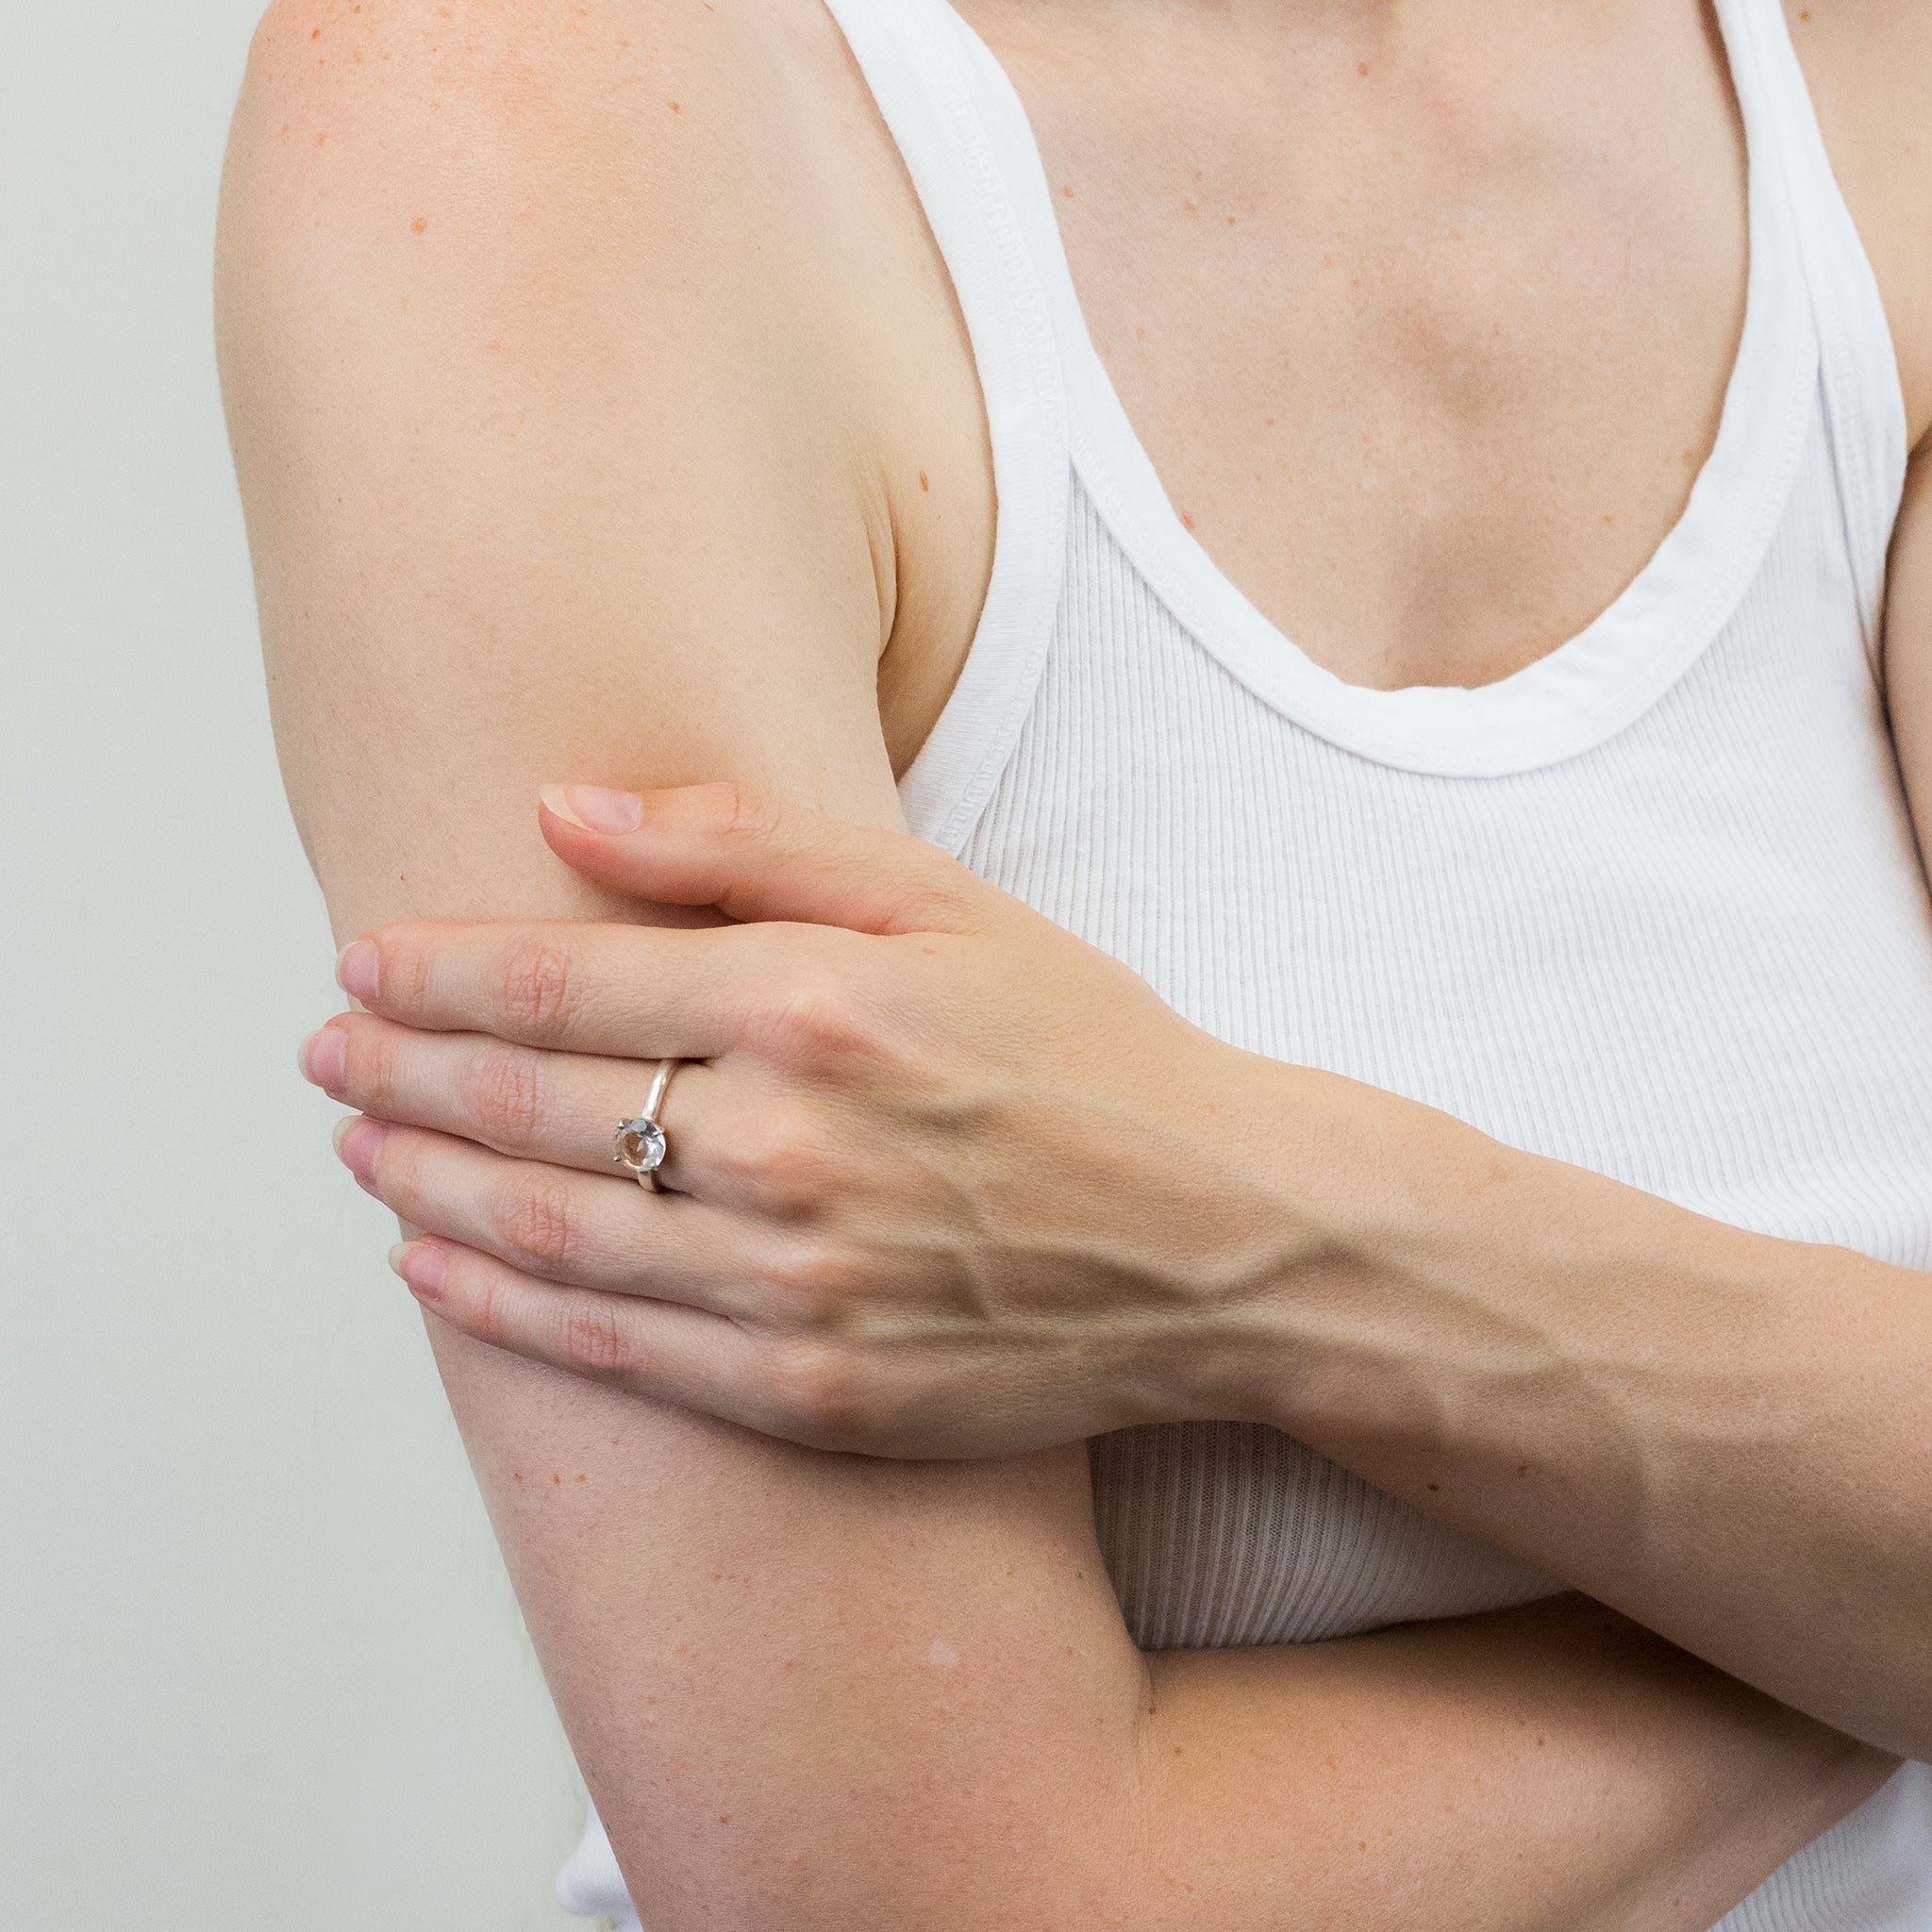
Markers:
point(640, 1144)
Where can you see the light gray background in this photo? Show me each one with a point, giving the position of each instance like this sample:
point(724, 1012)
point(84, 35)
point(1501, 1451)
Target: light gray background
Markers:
point(258, 1665)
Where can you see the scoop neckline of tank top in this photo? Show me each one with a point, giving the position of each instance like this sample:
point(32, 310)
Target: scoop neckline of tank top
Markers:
point(1595, 683)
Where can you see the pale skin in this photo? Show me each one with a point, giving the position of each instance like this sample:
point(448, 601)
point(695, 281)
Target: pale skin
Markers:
point(585, 436)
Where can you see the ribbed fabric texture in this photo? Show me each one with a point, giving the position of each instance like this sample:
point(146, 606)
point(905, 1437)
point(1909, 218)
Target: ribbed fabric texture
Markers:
point(1697, 958)
point(1652, 906)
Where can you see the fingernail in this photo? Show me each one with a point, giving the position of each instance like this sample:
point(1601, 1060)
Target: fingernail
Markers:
point(422, 1265)
point(324, 1058)
point(356, 1140)
point(595, 807)
point(357, 971)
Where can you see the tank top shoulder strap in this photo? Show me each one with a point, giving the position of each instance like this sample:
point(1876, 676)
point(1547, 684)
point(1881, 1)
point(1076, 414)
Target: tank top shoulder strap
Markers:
point(923, 66)
point(1863, 405)
point(969, 152)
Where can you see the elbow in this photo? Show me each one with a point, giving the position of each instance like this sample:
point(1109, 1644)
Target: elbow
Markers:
point(871, 1870)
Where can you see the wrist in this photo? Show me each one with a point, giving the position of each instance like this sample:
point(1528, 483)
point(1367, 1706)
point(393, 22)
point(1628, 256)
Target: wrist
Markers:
point(1324, 1202)
point(1400, 1241)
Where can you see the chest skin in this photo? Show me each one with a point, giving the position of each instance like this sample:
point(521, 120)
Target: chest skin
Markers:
point(1425, 316)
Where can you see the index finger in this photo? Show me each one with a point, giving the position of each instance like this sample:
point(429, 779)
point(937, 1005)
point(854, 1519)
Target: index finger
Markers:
point(633, 991)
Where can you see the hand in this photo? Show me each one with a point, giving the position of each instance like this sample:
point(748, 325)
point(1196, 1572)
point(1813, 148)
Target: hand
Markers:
point(943, 1179)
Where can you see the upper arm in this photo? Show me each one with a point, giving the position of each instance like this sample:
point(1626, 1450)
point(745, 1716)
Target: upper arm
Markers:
point(1865, 62)
point(550, 473)
point(1908, 644)
point(542, 472)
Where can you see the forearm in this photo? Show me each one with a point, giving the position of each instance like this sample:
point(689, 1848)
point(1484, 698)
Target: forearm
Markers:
point(1728, 1436)
point(782, 1668)
point(1555, 1767)
point(800, 1707)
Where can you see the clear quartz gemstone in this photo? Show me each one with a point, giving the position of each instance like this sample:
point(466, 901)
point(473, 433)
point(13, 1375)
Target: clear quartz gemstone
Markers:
point(640, 1144)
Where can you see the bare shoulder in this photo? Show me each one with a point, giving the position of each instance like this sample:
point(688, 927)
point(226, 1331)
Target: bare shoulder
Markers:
point(664, 243)
point(544, 342)
point(537, 161)
point(1865, 62)
point(593, 131)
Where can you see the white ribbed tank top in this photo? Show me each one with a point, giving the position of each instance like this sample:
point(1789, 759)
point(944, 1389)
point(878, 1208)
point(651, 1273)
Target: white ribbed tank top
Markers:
point(1651, 905)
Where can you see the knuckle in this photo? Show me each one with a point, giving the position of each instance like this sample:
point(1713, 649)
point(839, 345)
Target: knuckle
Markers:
point(371, 1076)
point(781, 1166)
point(395, 1172)
point(537, 987)
point(504, 1098)
point(821, 1394)
point(537, 1220)
point(594, 1339)
point(487, 1310)
point(738, 811)
point(818, 1019)
point(820, 1287)
point(403, 972)
point(809, 1290)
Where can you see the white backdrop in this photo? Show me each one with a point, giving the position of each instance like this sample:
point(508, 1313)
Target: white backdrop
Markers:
point(258, 1665)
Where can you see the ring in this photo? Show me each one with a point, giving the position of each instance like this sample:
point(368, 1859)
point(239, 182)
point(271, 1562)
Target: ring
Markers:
point(640, 1144)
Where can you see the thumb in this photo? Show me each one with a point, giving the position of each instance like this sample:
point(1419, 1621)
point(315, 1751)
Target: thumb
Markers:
point(755, 859)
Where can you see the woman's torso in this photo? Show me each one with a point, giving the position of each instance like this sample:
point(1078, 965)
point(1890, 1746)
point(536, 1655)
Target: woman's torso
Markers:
point(1650, 901)
point(1427, 357)
point(1365, 288)
point(1528, 756)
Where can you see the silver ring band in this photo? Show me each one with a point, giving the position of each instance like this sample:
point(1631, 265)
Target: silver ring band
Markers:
point(640, 1144)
